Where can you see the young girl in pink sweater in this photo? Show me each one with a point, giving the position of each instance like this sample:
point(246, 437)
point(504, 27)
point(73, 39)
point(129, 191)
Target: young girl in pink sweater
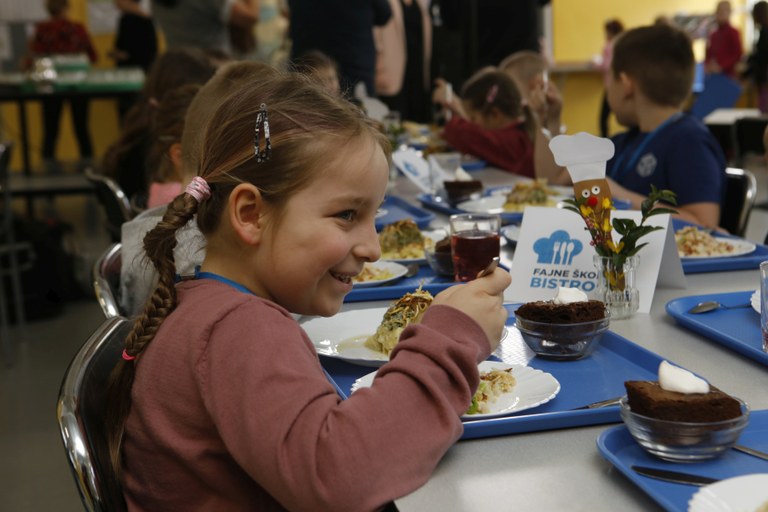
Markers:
point(490, 122)
point(220, 401)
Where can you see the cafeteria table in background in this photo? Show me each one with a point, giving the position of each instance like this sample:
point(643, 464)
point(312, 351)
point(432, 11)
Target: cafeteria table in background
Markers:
point(92, 84)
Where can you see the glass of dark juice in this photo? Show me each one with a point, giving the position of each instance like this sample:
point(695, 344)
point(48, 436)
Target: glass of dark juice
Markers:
point(474, 243)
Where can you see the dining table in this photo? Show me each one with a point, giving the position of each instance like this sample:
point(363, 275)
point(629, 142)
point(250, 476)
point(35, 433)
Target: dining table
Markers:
point(562, 468)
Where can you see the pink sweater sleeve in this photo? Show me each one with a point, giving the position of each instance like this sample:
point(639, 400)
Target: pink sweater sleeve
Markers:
point(285, 425)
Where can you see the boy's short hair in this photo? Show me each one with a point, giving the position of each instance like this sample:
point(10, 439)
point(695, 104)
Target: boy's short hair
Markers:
point(523, 66)
point(659, 58)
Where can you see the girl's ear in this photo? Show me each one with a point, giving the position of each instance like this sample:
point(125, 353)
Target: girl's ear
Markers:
point(246, 209)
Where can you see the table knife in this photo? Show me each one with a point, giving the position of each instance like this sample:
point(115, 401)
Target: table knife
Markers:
point(677, 477)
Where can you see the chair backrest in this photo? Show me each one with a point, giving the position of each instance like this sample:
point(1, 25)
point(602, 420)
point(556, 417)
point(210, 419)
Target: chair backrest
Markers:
point(740, 195)
point(749, 136)
point(106, 280)
point(113, 199)
point(80, 412)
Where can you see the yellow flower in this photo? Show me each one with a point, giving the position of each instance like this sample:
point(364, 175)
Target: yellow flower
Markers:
point(615, 248)
point(607, 225)
point(586, 211)
point(607, 204)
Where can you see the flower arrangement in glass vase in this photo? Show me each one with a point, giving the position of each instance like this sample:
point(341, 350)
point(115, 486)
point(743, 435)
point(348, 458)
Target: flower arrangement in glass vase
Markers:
point(617, 260)
point(585, 156)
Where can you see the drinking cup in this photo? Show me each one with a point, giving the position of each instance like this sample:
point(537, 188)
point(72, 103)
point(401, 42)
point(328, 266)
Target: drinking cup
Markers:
point(764, 303)
point(474, 243)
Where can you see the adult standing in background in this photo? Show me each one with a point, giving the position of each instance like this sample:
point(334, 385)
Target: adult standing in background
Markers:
point(135, 42)
point(343, 30)
point(757, 63)
point(206, 24)
point(403, 53)
point(723, 43)
point(136, 39)
point(60, 36)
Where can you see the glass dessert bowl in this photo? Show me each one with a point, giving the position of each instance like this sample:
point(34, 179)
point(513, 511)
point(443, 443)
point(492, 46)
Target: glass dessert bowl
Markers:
point(563, 341)
point(682, 441)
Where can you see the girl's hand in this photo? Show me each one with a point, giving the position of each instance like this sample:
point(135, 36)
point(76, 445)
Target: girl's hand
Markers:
point(482, 300)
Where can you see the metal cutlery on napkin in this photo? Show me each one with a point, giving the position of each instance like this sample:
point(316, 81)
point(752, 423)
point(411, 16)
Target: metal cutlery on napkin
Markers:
point(677, 477)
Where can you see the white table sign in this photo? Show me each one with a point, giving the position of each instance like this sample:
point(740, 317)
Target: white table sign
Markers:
point(553, 250)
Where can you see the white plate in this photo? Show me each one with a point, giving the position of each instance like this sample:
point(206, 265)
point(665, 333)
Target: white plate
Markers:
point(435, 235)
point(494, 204)
point(740, 248)
point(739, 493)
point(343, 336)
point(755, 300)
point(511, 233)
point(532, 388)
point(397, 270)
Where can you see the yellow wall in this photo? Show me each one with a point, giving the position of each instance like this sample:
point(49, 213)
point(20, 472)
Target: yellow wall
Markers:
point(578, 36)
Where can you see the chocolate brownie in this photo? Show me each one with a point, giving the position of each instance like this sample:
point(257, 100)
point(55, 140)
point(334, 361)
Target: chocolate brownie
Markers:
point(650, 399)
point(461, 190)
point(548, 312)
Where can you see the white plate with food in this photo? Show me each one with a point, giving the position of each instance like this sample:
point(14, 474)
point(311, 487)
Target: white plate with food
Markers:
point(531, 388)
point(343, 335)
point(732, 247)
point(755, 301)
point(695, 243)
point(496, 204)
point(414, 253)
point(746, 492)
point(378, 273)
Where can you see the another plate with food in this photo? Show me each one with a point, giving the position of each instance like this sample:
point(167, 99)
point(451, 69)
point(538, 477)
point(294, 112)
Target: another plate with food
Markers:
point(379, 273)
point(504, 389)
point(516, 199)
point(367, 336)
point(403, 242)
point(693, 242)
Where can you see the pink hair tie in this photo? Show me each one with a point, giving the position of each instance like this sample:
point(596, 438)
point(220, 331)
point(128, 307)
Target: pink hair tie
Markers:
point(128, 357)
point(199, 189)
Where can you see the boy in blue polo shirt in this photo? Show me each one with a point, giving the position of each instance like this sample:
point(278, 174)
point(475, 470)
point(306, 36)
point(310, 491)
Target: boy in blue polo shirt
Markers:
point(652, 75)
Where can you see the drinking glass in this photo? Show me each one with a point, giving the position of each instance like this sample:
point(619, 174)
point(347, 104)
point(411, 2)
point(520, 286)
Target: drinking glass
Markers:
point(764, 303)
point(474, 243)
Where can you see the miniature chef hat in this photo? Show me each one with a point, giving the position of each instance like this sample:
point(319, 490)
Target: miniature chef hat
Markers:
point(583, 154)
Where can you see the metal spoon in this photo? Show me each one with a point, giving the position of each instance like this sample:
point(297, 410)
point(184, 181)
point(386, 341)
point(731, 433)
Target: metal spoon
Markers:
point(489, 268)
point(711, 305)
point(412, 270)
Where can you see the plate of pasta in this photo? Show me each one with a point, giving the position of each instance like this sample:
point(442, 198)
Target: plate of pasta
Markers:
point(404, 242)
point(504, 389)
point(693, 242)
point(378, 273)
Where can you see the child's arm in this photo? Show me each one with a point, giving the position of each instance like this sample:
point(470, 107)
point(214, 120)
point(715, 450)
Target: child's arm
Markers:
point(544, 161)
point(444, 95)
point(704, 214)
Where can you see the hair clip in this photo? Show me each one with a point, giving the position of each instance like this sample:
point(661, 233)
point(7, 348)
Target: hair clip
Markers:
point(492, 92)
point(127, 356)
point(199, 189)
point(262, 124)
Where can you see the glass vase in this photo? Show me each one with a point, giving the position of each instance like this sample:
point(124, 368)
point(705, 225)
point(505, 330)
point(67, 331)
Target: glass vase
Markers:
point(616, 285)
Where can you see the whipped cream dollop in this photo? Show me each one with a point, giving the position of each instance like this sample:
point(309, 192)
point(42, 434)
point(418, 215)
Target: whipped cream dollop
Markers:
point(673, 378)
point(462, 175)
point(569, 296)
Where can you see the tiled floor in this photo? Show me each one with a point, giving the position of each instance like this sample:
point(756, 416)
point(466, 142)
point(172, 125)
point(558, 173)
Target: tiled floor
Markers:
point(34, 475)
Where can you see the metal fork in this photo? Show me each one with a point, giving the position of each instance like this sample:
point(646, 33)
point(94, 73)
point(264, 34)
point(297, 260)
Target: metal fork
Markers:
point(751, 451)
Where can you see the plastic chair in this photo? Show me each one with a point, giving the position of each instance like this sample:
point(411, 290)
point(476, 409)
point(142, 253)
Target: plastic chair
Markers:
point(740, 195)
point(80, 413)
point(106, 280)
point(113, 199)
